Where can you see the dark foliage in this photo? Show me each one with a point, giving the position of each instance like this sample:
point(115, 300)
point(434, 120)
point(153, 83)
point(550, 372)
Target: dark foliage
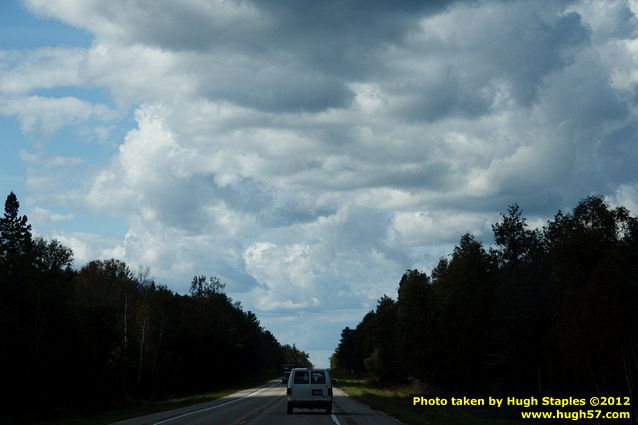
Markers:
point(295, 357)
point(542, 312)
point(80, 340)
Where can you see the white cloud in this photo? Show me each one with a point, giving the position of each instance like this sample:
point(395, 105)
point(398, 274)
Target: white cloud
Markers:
point(288, 272)
point(49, 162)
point(626, 195)
point(44, 116)
point(44, 68)
point(432, 228)
point(41, 215)
point(88, 246)
point(136, 73)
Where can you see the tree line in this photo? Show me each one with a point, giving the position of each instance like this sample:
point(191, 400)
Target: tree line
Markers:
point(541, 311)
point(102, 335)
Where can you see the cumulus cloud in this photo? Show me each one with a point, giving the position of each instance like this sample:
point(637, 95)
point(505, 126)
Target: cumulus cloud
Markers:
point(88, 247)
point(626, 195)
point(45, 115)
point(310, 154)
point(41, 215)
point(24, 71)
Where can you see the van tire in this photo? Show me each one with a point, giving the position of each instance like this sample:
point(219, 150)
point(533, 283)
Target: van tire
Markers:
point(329, 410)
point(289, 409)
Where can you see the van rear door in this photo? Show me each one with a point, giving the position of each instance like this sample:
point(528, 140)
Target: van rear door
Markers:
point(318, 385)
point(301, 387)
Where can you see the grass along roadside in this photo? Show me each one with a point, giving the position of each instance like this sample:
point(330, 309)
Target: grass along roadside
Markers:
point(396, 401)
point(113, 415)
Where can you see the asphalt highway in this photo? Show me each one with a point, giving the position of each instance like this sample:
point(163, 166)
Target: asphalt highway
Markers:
point(265, 405)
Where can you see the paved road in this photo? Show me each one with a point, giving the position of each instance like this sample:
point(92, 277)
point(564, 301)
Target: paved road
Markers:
point(265, 405)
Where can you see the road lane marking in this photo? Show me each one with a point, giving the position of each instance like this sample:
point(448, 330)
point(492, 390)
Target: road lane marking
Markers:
point(335, 420)
point(214, 407)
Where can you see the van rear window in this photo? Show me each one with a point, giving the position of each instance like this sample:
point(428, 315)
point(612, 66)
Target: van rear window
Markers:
point(301, 377)
point(318, 377)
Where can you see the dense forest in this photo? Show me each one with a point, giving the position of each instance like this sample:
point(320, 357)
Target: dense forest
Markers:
point(103, 335)
point(543, 311)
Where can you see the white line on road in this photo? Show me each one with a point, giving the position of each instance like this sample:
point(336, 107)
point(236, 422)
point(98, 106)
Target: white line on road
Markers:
point(216, 406)
point(335, 420)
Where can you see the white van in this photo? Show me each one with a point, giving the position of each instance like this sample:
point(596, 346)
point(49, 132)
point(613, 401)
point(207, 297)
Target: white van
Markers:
point(309, 389)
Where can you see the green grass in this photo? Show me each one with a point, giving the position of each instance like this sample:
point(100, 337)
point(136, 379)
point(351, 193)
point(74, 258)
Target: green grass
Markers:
point(396, 401)
point(146, 408)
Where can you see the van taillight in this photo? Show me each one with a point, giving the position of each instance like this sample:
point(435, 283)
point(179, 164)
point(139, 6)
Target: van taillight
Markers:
point(289, 391)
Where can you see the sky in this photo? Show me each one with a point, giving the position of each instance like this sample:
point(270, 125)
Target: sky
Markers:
point(308, 153)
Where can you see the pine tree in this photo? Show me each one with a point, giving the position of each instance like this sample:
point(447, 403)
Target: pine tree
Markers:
point(15, 232)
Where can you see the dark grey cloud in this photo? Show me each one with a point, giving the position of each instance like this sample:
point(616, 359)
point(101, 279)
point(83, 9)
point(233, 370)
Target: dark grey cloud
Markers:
point(274, 86)
point(342, 38)
point(617, 153)
point(459, 64)
point(307, 53)
point(534, 48)
point(293, 211)
point(451, 93)
point(323, 31)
